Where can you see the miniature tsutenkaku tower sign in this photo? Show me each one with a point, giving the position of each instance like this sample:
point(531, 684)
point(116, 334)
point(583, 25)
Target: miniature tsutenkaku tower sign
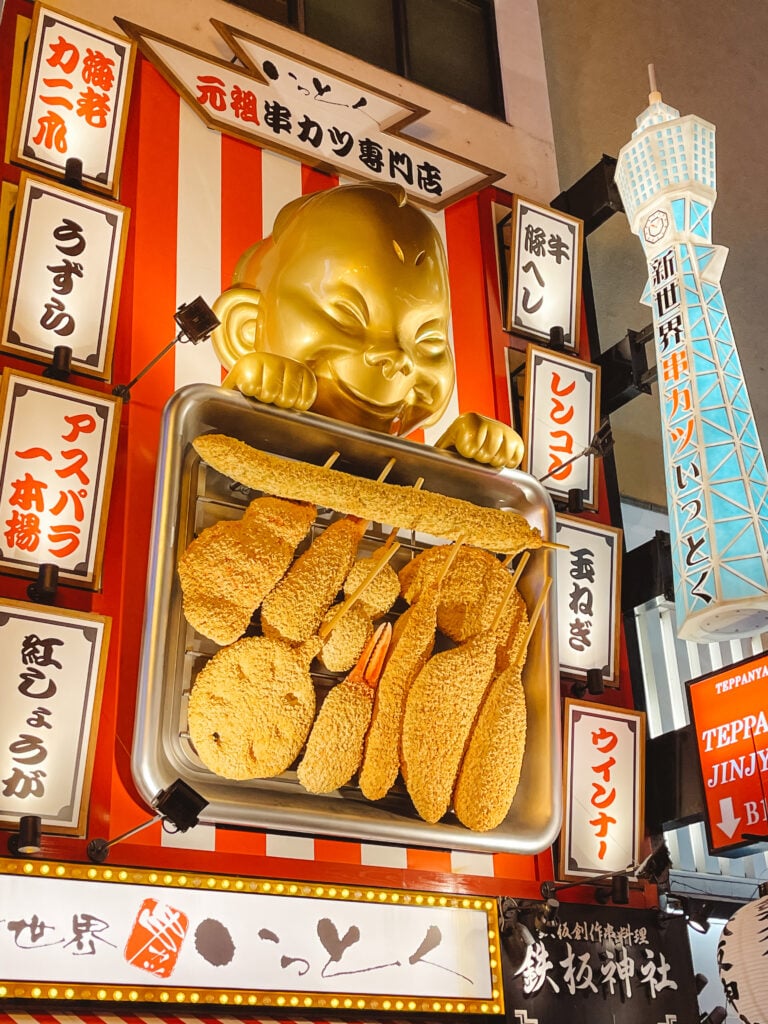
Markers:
point(717, 486)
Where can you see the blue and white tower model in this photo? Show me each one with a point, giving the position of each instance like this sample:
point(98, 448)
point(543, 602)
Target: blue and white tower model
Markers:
point(717, 486)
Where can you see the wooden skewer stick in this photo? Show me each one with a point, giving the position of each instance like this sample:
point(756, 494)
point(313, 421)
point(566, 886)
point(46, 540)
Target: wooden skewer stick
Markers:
point(376, 567)
point(331, 459)
point(386, 471)
point(533, 619)
point(554, 545)
point(454, 550)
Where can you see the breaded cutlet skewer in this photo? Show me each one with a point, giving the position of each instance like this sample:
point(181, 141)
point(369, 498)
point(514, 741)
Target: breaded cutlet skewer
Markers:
point(441, 707)
point(230, 567)
point(412, 641)
point(295, 609)
point(335, 744)
point(490, 771)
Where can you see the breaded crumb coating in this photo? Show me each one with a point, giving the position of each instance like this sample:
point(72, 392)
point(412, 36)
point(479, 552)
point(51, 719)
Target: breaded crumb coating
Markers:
point(404, 507)
point(413, 638)
point(490, 772)
point(252, 706)
point(344, 644)
point(516, 615)
point(227, 570)
point(335, 744)
point(296, 606)
point(470, 595)
point(441, 707)
point(380, 594)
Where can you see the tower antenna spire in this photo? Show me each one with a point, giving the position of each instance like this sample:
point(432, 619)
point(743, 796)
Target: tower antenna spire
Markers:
point(654, 96)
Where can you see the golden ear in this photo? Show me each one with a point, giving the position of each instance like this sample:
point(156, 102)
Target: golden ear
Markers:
point(238, 310)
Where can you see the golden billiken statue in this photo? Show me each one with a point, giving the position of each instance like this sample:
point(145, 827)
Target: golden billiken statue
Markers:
point(344, 309)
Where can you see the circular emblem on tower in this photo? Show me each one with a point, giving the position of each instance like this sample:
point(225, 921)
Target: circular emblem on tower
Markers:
point(655, 227)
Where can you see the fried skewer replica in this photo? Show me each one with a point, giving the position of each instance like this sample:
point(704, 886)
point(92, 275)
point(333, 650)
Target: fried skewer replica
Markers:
point(252, 706)
point(423, 511)
point(439, 713)
point(335, 744)
point(412, 641)
point(490, 772)
point(227, 571)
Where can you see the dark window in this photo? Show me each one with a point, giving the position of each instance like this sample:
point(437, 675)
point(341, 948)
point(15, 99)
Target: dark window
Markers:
point(446, 45)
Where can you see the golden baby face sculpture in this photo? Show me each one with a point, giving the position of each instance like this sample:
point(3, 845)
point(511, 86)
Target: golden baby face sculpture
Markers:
point(344, 309)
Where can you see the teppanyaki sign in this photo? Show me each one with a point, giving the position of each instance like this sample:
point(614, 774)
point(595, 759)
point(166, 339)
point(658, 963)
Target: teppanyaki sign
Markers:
point(275, 100)
point(730, 716)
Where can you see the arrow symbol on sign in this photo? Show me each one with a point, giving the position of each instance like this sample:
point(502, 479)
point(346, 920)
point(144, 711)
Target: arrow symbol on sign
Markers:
point(728, 822)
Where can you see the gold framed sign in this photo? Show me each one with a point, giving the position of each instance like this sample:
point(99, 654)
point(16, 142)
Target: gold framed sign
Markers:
point(126, 935)
point(62, 285)
point(603, 789)
point(57, 455)
point(562, 412)
point(75, 90)
point(588, 597)
point(51, 695)
point(544, 273)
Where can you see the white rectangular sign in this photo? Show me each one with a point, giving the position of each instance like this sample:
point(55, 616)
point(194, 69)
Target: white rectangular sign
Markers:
point(588, 589)
point(562, 406)
point(604, 769)
point(75, 93)
point(545, 273)
point(63, 281)
point(57, 451)
point(54, 664)
point(211, 939)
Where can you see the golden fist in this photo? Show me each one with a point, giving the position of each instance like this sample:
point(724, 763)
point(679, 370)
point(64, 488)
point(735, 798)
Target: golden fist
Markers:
point(482, 439)
point(275, 380)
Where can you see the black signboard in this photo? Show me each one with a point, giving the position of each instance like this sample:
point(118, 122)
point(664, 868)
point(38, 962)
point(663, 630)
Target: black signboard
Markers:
point(601, 965)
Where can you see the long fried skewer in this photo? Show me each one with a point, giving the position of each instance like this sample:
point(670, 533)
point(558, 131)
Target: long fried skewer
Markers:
point(423, 511)
point(412, 642)
point(439, 712)
point(335, 744)
point(490, 772)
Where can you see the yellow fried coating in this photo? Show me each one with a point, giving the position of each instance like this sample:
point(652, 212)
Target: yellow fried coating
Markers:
point(441, 707)
point(296, 606)
point(516, 615)
point(490, 772)
point(413, 638)
point(227, 570)
point(344, 644)
point(380, 594)
point(470, 595)
point(252, 706)
point(403, 507)
point(335, 744)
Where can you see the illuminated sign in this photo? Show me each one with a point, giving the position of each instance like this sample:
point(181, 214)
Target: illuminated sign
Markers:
point(63, 283)
point(126, 935)
point(562, 405)
point(603, 767)
point(717, 482)
point(544, 273)
point(57, 453)
point(54, 662)
point(76, 86)
point(729, 712)
point(588, 589)
point(277, 100)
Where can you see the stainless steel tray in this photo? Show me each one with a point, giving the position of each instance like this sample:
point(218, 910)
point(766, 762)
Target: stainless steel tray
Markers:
point(189, 495)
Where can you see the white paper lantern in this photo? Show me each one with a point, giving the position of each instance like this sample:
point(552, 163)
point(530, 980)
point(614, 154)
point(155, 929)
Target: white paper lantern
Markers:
point(742, 956)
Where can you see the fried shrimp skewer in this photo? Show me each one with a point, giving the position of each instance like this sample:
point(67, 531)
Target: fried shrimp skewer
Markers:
point(439, 712)
point(490, 772)
point(412, 641)
point(335, 744)
point(230, 567)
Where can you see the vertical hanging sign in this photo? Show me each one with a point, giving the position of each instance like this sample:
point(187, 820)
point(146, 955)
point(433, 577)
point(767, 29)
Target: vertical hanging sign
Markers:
point(75, 93)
